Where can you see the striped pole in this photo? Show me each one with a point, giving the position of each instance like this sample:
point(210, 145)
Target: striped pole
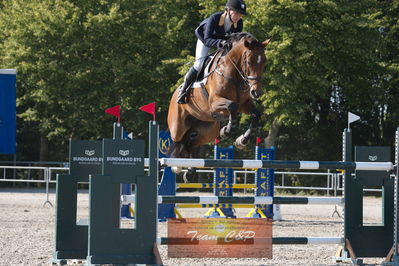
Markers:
point(278, 240)
point(212, 185)
point(199, 206)
point(249, 164)
point(241, 200)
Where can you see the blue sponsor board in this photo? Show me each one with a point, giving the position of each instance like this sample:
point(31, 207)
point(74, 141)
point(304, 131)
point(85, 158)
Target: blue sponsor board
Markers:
point(7, 111)
point(265, 179)
point(224, 176)
point(168, 182)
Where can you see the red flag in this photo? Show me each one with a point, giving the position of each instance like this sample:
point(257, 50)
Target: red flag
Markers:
point(258, 141)
point(217, 141)
point(115, 111)
point(149, 108)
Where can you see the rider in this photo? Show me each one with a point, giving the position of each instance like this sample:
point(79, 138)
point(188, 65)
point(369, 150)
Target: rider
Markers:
point(211, 33)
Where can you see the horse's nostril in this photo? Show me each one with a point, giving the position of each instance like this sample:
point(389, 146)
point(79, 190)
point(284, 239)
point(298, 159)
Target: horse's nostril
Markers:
point(254, 94)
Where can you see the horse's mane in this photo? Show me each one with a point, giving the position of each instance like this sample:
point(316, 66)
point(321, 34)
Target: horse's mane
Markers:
point(234, 38)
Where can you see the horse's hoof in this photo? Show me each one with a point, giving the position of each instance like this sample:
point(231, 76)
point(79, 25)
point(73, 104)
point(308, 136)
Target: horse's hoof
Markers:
point(188, 176)
point(176, 169)
point(223, 133)
point(185, 178)
point(241, 142)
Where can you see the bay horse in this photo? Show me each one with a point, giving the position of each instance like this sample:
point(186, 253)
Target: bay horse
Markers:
point(233, 84)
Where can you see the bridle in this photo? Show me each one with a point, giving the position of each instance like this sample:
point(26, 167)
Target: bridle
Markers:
point(245, 77)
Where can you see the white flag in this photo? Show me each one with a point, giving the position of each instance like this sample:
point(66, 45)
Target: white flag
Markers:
point(352, 117)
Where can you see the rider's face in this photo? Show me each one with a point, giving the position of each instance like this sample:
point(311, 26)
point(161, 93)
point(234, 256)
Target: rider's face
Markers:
point(235, 16)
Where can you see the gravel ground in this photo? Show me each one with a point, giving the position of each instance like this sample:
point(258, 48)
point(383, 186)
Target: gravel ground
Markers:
point(27, 231)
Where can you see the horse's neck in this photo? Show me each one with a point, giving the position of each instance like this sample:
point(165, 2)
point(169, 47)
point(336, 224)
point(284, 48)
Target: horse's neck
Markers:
point(233, 58)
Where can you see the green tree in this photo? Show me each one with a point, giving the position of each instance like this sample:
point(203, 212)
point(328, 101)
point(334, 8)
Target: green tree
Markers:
point(76, 58)
point(322, 63)
point(387, 13)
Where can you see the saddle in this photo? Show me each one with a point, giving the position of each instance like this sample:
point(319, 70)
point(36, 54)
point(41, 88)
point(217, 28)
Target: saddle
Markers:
point(206, 70)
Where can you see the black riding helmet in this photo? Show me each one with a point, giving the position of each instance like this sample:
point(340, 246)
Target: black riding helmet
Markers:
point(237, 5)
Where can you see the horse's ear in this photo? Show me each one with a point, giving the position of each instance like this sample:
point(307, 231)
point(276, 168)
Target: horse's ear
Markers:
point(265, 43)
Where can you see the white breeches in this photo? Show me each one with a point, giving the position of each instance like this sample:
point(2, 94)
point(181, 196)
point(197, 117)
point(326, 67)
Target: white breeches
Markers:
point(201, 52)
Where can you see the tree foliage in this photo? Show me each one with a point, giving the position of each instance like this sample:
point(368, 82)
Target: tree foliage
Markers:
point(76, 58)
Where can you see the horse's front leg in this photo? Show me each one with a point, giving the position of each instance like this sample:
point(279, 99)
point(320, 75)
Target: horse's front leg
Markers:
point(243, 140)
point(221, 105)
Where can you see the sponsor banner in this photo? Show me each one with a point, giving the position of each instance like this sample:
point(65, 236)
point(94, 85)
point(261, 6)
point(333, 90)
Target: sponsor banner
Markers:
point(123, 157)
point(224, 175)
point(265, 179)
point(372, 154)
point(85, 158)
point(220, 238)
point(165, 143)
point(7, 111)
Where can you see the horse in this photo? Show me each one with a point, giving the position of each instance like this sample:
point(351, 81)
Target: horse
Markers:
point(233, 84)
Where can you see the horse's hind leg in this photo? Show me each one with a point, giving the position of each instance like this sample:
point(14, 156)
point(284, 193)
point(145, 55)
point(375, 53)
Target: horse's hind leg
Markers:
point(190, 174)
point(200, 133)
point(189, 138)
point(206, 132)
point(179, 119)
point(179, 123)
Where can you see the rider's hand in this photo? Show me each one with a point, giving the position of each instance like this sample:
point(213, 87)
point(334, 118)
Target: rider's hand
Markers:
point(223, 44)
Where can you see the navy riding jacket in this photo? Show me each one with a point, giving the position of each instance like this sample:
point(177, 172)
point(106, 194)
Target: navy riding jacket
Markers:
point(212, 30)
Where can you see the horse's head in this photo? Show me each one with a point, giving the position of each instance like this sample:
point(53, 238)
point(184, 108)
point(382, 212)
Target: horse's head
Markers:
point(252, 61)
point(253, 64)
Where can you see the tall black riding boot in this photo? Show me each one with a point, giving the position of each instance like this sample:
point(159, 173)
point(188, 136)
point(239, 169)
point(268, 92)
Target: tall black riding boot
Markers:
point(185, 87)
